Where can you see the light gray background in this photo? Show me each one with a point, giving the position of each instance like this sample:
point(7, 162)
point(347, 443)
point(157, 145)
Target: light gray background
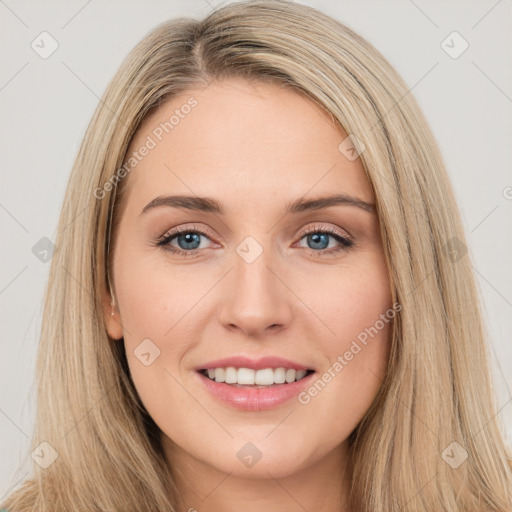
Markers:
point(46, 105)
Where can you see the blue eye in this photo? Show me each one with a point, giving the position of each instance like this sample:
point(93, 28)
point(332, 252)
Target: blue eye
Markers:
point(189, 240)
point(320, 240)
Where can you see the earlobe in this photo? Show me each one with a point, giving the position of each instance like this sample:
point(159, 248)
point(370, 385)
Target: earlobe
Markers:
point(111, 317)
point(114, 327)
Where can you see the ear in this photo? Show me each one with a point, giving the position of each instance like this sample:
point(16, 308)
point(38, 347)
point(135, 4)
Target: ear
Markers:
point(111, 317)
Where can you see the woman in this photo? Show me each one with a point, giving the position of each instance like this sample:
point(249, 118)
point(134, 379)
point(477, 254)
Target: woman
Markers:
point(259, 298)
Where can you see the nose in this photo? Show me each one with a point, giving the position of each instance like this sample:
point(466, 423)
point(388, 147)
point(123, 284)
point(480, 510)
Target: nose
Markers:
point(256, 301)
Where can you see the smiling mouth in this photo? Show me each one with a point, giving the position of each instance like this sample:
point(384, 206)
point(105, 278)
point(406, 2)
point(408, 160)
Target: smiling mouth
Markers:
point(249, 378)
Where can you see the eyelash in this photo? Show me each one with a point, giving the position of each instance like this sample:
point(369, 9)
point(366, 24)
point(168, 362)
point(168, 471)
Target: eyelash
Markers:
point(345, 243)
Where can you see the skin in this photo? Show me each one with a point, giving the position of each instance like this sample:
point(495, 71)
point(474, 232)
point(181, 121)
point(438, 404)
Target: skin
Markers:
point(254, 147)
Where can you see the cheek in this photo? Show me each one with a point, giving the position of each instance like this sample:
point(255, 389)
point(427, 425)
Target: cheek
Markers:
point(155, 299)
point(154, 295)
point(358, 311)
point(365, 321)
point(353, 303)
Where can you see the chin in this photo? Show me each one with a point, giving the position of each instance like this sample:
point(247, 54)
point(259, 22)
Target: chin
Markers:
point(262, 459)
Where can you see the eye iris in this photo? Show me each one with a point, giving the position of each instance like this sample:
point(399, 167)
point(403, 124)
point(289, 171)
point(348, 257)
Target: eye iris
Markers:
point(319, 238)
point(190, 238)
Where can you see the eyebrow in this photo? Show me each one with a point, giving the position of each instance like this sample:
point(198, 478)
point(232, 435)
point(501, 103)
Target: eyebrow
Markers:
point(210, 205)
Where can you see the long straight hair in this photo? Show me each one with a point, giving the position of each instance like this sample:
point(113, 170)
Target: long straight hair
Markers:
point(436, 402)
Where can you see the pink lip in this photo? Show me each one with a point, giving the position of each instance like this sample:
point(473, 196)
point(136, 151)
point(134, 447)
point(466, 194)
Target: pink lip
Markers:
point(255, 364)
point(254, 399)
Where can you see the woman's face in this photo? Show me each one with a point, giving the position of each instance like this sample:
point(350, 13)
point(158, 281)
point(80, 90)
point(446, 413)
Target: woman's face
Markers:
point(258, 270)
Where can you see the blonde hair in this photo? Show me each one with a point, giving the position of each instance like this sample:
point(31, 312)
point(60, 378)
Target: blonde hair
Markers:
point(438, 388)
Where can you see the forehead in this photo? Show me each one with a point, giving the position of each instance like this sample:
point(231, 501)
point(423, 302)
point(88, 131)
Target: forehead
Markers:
point(250, 138)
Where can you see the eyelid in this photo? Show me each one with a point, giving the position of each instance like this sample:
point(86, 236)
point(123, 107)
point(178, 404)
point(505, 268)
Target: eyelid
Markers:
point(327, 229)
point(187, 228)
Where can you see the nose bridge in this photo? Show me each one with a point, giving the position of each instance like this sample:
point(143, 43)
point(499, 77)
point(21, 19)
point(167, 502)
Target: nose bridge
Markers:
point(253, 277)
point(257, 298)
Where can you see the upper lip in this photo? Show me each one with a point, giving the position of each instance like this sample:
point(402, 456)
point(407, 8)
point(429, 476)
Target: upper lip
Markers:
point(255, 364)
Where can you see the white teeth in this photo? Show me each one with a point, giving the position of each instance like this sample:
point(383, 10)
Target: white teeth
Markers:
point(249, 377)
point(300, 374)
point(231, 377)
point(279, 375)
point(264, 377)
point(290, 375)
point(245, 376)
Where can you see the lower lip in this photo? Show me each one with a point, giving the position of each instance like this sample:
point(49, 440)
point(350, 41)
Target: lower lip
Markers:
point(254, 399)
